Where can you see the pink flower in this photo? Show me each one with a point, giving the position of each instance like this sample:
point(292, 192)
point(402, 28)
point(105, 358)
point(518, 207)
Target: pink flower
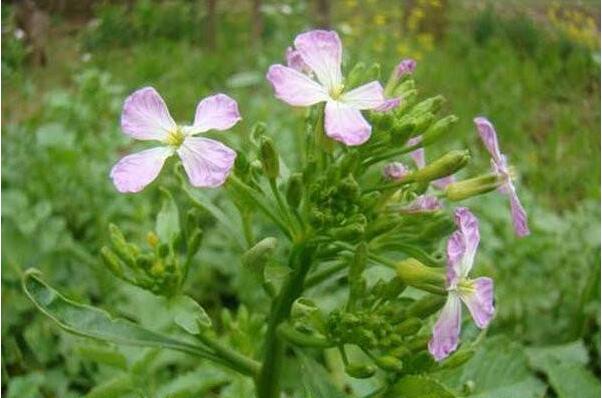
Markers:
point(145, 117)
point(500, 167)
point(395, 171)
point(295, 61)
point(322, 52)
point(405, 67)
point(476, 294)
point(419, 160)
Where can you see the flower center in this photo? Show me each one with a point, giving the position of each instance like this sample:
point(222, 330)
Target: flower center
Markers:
point(175, 137)
point(335, 92)
point(464, 286)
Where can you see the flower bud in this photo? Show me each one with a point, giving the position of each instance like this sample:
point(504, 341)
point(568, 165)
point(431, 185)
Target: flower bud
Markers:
point(194, 241)
point(432, 105)
point(390, 363)
point(163, 250)
point(348, 232)
point(392, 289)
point(152, 239)
point(111, 261)
point(242, 167)
point(356, 75)
point(256, 258)
point(395, 171)
point(437, 130)
point(257, 131)
point(425, 306)
point(408, 327)
point(360, 371)
point(269, 158)
point(422, 122)
point(446, 165)
point(294, 190)
point(402, 130)
point(464, 189)
point(373, 73)
point(123, 249)
point(414, 273)
point(400, 352)
point(459, 358)
point(404, 87)
point(417, 343)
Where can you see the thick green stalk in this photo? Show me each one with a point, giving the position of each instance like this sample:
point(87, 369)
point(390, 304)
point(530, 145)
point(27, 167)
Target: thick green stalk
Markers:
point(268, 381)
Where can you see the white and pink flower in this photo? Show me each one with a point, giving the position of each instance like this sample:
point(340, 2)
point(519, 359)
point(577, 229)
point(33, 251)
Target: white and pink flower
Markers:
point(322, 52)
point(145, 117)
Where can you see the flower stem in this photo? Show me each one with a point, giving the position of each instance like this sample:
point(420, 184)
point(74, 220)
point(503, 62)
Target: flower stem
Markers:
point(234, 359)
point(268, 381)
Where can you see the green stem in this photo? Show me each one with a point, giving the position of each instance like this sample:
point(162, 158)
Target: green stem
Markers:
point(390, 154)
point(321, 276)
point(268, 380)
point(281, 205)
point(302, 339)
point(234, 359)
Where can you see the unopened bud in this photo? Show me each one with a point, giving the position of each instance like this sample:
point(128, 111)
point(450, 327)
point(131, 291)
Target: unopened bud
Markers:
point(423, 121)
point(373, 73)
point(269, 158)
point(459, 358)
point(163, 250)
point(404, 87)
point(349, 232)
point(446, 165)
point(257, 257)
point(400, 352)
point(356, 75)
point(414, 273)
point(464, 189)
point(393, 288)
point(111, 261)
point(408, 327)
point(257, 131)
point(360, 371)
point(402, 130)
point(425, 306)
point(417, 343)
point(395, 171)
point(242, 167)
point(294, 190)
point(120, 245)
point(389, 363)
point(438, 129)
point(194, 241)
point(432, 105)
point(152, 239)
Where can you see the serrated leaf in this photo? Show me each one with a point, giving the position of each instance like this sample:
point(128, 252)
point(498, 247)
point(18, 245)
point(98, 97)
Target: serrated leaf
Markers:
point(167, 224)
point(88, 321)
point(316, 379)
point(188, 314)
point(414, 386)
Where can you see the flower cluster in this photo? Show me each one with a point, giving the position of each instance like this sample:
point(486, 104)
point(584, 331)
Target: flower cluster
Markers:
point(330, 202)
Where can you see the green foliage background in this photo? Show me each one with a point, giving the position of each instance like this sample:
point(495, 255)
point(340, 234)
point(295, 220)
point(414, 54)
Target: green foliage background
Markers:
point(535, 76)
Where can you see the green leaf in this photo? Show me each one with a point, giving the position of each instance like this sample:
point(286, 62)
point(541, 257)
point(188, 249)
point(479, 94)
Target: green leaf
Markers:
point(117, 387)
point(497, 370)
point(88, 321)
point(419, 387)
point(193, 384)
point(105, 355)
point(188, 314)
point(27, 386)
point(565, 368)
point(316, 379)
point(167, 225)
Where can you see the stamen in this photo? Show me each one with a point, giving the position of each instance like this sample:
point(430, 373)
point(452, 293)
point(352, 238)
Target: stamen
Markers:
point(336, 91)
point(175, 137)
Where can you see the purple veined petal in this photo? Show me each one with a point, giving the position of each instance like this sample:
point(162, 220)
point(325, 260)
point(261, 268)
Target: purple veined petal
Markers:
point(322, 52)
point(367, 96)
point(145, 116)
point(519, 215)
point(295, 61)
point(395, 171)
point(134, 172)
point(418, 154)
point(388, 105)
point(217, 112)
point(405, 67)
point(446, 332)
point(455, 253)
point(295, 88)
point(489, 138)
point(207, 162)
point(468, 225)
point(423, 204)
point(441, 183)
point(480, 301)
point(345, 124)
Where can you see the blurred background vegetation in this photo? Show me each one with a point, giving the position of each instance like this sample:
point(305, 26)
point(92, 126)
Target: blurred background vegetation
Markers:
point(532, 66)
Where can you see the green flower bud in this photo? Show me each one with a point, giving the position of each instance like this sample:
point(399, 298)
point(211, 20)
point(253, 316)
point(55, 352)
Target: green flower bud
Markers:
point(432, 105)
point(408, 327)
point(294, 190)
point(373, 73)
point(360, 371)
point(120, 245)
point(257, 131)
point(242, 167)
point(464, 189)
point(386, 122)
point(422, 122)
point(417, 343)
point(393, 288)
point(349, 232)
point(446, 165)
point(400, 352)
point(459, 358)
point(163, 250)
point(402, 130)
point(408, 98)
point(414, 273)
point(389, 363)
point(258, 256)
point(436, 131)
point(269, 158)
point(356, 75)
point(111, 261)
point(404, 87)
point(425, 306)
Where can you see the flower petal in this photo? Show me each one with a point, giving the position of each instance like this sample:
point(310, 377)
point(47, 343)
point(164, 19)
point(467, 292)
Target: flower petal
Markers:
point(207, 162)
point(418, 154)
point(145, 115)
point(368, 96)
point(423, 204)
point(134, 172)
point(395, 171)
point(346, 124)
point(388, 105)
point(218, 112)
point(322, 52)
point(295, 88)
point(462, 245)
point(489, 137)
point(446, 332)
point(480, 302)
point(295, 61)
point(441, 183)
point(519, 215)
point(405, 67)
